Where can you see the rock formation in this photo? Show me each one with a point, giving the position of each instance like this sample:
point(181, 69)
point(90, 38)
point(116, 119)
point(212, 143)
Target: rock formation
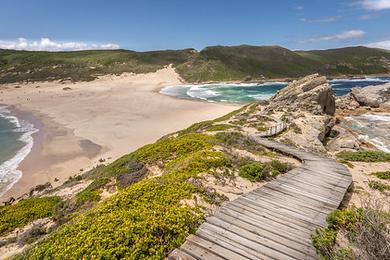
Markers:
point(311, 93)
point(372, 96)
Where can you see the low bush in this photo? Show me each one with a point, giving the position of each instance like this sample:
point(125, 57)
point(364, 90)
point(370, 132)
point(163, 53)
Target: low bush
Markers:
point(25, 211)
point(252, 171)
point(383, 175)
point(364, 156)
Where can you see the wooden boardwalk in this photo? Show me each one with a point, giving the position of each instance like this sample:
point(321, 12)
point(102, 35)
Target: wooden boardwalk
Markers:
point(276, 220)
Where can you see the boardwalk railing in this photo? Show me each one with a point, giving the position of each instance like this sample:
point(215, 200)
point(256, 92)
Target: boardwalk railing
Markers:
point(274, 130)
point(276, 220)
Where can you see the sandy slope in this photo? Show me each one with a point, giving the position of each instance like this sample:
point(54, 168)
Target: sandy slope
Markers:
point(104, 118)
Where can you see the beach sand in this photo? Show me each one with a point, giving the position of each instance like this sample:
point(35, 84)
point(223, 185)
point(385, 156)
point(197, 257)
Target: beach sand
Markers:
point(105, 118)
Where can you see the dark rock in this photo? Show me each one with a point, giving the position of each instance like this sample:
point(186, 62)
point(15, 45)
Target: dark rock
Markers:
point(136, 172)
point(40, 189)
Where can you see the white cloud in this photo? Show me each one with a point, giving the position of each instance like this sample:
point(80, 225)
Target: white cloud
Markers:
point(375, 5)
point(352, 34)
point(45, 44)
point(381, 45)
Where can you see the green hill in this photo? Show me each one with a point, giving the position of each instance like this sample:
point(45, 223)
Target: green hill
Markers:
point(211, 64)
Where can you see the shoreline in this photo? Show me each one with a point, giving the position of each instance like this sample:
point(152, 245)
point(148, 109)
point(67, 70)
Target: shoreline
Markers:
point(105, 118)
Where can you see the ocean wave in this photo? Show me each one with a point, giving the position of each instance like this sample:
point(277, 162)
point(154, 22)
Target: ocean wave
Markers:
point(197, 91)
point(375, 118)
point(9, 173)
point(360, 80)
point(262, 96)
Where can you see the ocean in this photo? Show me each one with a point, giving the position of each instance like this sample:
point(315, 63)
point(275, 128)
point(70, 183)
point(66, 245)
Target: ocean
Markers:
point(15, 143)
point(250, 92)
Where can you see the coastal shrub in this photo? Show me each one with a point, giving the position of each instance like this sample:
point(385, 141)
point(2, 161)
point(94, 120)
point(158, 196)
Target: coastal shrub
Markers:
point(25, 211)
point(220, 127)
point(238, 140)
point(346, 219)
point(364, 156)
point(377, 185)
point(171, 148)
point(383, 175)
point(365, 229)
point(196, 128)
point(252, 171)
point(279, 166)
point(323, 241)
point(147, 219)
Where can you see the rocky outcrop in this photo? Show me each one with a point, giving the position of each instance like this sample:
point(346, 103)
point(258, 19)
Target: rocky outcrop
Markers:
point(311, 93)
point(372, 96)
point(342, 139)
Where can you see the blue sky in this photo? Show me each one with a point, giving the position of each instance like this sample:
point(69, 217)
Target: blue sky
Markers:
point(174, 24)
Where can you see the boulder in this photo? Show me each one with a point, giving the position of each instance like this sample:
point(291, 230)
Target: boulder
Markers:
point(347, 102)
point(372, 96)
point(342, 139)
point(311, 93)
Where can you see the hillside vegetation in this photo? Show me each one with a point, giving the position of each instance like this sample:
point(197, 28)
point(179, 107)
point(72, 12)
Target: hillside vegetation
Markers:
point(158, 195)
point(213, 63)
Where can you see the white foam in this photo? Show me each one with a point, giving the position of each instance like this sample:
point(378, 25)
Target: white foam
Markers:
point(9, 173)
point(361, 80)
point(372, 117)
point(262, 96)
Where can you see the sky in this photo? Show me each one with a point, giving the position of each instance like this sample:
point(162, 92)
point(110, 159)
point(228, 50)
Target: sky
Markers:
point(144, 25)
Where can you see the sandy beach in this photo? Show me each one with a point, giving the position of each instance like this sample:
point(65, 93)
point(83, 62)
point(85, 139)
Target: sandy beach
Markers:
point(82, 122)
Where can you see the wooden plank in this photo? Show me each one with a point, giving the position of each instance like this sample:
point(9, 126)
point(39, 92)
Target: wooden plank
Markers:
point(228, 243)
point(247, 242)
point(215, 248)
point(290, 189)
point(268, 226)
point(198, 252)
point(275, 217)
point(310, 192)
point(253, 226)
point(265, 215)
point(180, 255)
point(304, 210)
point(295, 195)
point(289, 199)
point(283, 210)
point(241, 228)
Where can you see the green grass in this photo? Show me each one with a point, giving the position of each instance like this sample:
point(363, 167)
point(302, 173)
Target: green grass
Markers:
point(364, 156)
point(220, 127)
point(377, 185)
point(25, 211)
point(382, 175)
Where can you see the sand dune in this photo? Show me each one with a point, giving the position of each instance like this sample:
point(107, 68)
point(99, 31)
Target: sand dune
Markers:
point(105, 118)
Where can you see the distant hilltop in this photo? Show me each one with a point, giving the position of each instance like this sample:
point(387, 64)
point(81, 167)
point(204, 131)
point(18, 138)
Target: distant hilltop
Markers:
point(214, 63)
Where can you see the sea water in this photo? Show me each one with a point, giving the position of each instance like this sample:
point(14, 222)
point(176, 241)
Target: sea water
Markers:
point(15, 143)
point(373, 128)
point(250, 92)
